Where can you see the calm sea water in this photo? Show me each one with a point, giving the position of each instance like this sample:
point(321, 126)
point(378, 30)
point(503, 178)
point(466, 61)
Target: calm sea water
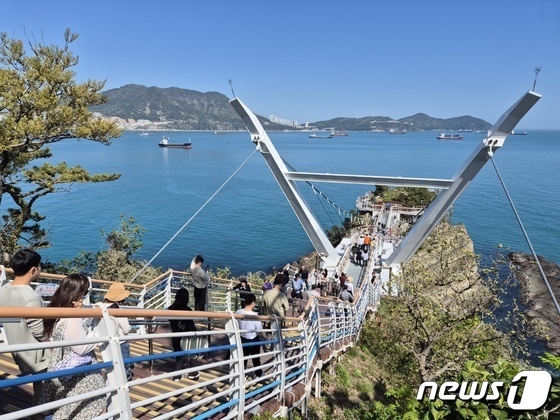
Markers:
point(249, 225)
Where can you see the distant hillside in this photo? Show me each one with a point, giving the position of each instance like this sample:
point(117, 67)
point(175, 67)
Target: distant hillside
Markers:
point(417, 122)
point(186, 109)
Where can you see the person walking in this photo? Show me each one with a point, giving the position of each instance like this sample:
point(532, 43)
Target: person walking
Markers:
point(345, 295)
point(70, 294)
point(250, 331)
point(314, 292)
point(181, 303)
point(201, 280)
point(358, 256)
point(27, 268)
point(365, 258)
point(275, 302)
point(367, 242)
point(350, 285)
point(304, 273)
point(353, 252)
point(297, 287)
point(284, 277)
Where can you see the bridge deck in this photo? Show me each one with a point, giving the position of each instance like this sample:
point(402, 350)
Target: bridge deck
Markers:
point(19, 397)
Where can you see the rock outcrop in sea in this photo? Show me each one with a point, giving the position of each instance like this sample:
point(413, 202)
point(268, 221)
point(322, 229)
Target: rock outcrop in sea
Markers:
point(534, 292)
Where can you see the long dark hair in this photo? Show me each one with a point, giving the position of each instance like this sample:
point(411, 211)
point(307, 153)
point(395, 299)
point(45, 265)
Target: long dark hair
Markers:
point(181, 302)
point(72, 288)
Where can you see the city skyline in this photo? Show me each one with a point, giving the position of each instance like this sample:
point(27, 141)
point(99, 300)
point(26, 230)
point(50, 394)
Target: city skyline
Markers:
point(315, 61)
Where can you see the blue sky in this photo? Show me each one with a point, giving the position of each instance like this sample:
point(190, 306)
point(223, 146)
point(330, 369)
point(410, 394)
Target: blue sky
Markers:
point(314, 60)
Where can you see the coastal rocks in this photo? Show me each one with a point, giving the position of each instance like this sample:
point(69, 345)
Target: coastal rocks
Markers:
point(534, 292)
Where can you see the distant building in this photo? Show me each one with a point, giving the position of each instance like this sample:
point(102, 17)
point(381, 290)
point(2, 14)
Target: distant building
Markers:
point(283, 121)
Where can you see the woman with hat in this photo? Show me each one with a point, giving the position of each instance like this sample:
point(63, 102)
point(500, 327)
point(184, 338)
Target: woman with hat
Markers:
point(116, 295)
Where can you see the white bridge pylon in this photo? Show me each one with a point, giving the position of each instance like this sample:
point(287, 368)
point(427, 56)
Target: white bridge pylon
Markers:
point(451, 189)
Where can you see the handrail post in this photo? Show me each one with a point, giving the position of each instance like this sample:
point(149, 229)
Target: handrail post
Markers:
point(228, 301)
point(168, 289)
point(280, 365)
point(237, 366)
point(111, 351)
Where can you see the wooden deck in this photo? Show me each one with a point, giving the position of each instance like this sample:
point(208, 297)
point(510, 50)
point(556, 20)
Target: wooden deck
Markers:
point(16, 398)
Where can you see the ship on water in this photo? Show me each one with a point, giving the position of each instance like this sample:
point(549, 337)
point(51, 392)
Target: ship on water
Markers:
point(444, 136)
point(209, 375)
point(165, 143)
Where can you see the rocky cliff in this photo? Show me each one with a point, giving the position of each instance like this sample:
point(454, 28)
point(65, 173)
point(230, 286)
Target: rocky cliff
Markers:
point(534, 292)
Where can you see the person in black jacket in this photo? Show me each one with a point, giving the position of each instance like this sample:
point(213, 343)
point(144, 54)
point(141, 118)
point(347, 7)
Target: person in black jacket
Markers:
point(181, 303)
point(243, 288)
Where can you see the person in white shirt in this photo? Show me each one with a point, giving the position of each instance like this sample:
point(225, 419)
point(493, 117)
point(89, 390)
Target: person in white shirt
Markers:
point(365, 257)
point(314, 292)
point(250, 333)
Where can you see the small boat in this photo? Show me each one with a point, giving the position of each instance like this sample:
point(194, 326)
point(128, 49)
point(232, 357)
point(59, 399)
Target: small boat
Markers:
point(165, 143)
point(444, 136)
point(316, 136)
point(518, 133)
point(219, 132)
point(397, 132)
point(145, 133)
point(339, 134)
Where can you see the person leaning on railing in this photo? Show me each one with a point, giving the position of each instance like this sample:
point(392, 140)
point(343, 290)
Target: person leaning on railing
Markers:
point(243, 288)
point(70, 294)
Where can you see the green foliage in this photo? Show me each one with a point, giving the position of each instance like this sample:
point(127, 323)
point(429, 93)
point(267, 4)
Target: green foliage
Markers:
point(502, 371)
point(127, 238)
point(223, 273)
point(337, 233)
point(409, 196)
point(114, 263)
point(40, 104)
point(446, 307)
point(343, 375)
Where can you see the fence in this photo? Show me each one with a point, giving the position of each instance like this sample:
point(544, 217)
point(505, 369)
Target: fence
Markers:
point(298, 348)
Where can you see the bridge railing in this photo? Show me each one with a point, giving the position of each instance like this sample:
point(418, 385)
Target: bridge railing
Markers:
point(298, 349)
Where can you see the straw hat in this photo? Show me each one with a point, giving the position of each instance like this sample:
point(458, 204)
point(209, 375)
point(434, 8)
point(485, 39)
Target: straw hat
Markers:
point(349, 279)
point(117, 292)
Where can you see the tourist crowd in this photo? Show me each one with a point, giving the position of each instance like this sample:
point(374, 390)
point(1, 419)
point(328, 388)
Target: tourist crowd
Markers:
point(301, 285)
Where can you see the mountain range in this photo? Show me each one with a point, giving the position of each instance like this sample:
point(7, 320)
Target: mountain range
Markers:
point(185, 109)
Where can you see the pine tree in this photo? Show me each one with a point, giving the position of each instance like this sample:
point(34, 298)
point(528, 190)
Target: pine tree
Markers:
point(41, 103)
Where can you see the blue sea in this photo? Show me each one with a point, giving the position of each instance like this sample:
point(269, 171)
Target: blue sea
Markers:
point(249, 225)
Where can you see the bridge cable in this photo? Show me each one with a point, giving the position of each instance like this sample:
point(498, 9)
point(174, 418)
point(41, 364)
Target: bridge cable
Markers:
point(318, 192)
point(543, 275)
point(323, 206)
point(192, 217)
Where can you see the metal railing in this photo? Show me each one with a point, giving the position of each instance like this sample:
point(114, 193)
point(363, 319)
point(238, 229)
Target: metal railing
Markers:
point(299, 348)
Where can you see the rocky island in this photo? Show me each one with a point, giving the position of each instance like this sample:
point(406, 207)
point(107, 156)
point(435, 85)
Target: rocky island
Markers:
point(535, 295)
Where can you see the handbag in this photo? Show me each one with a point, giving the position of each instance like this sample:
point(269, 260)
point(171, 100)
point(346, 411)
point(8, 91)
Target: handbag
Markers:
point(74, 360)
